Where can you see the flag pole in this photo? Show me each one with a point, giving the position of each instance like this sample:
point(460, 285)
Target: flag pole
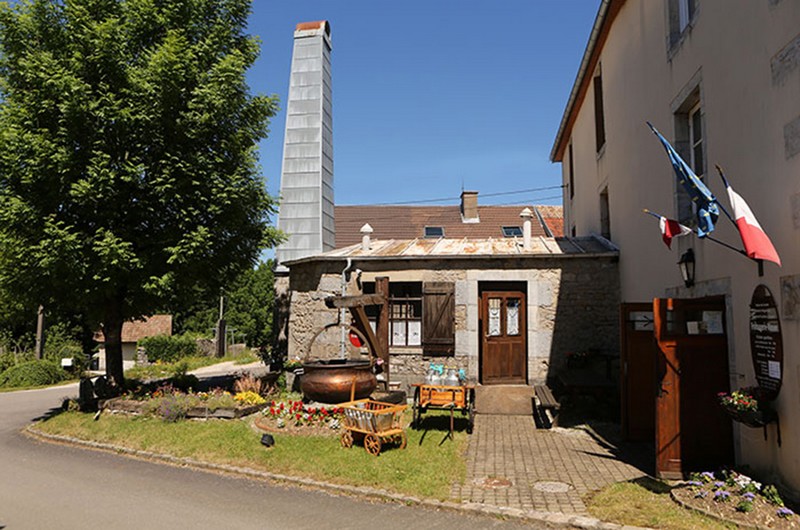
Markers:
point(724, 181)
point(717, 241)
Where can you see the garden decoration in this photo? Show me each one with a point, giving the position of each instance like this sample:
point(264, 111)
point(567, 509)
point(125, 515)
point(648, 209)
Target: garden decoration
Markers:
point(329, 380)
point(376, 422)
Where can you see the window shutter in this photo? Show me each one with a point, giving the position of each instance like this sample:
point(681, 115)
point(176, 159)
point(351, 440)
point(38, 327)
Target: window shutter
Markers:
point(438, 318)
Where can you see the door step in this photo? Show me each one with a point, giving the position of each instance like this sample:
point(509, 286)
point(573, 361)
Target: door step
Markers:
point(510, 400)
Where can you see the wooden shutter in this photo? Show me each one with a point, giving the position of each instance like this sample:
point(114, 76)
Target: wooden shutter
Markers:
point(438, 318)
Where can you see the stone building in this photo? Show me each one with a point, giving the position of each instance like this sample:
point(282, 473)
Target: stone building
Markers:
point(720, 80)
point(506, 310)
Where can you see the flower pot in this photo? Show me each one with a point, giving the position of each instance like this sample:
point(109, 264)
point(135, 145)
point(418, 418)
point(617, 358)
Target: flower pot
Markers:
point(751, 418)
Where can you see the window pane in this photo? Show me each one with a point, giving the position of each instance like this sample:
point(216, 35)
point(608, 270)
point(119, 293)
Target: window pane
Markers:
point(399, 333)
point(434, 231)
point(414, 332)
point(512, 316)
point(494, 317)
point(512, 231)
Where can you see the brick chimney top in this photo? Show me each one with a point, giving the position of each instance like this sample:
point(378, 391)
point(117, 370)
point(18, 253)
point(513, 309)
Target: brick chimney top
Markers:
point(310, 26)
point(469, 207)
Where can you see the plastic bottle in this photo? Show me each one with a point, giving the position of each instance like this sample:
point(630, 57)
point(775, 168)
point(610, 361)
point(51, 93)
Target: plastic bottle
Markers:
point(452, 377)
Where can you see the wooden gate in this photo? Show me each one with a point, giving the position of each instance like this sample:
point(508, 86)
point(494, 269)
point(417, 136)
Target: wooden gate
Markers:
point(693, 433)
point(504, 353)
point(638, 364)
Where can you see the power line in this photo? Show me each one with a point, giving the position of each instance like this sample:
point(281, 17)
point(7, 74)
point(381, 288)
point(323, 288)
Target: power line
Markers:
point(517, 203)
point(498, 194)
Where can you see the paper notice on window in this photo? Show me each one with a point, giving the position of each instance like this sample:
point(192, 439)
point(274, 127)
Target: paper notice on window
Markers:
point(693, 328)
point(713, 321)
point(774, 369)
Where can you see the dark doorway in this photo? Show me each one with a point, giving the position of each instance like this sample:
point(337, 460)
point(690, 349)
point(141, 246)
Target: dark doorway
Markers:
point(638, 365)
point(504, 353)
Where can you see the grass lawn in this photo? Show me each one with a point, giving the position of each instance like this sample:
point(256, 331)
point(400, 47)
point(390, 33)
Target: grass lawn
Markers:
point(646, 502)
point(423, 468)
point(36, 387)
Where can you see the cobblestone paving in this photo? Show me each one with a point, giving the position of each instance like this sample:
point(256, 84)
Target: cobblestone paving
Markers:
point(537, 463)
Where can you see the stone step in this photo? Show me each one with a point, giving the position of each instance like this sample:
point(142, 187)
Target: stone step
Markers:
point(513, 400)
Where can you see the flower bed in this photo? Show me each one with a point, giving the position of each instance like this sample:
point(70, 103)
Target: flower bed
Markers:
point(293, 417)
point(171, 404)
point(736, 498)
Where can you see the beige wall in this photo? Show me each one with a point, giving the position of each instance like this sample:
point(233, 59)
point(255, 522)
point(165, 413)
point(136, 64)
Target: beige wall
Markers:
point(748, 104)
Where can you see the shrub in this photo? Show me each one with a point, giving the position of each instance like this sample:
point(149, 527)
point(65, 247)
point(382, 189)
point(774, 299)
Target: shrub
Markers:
point(168, 349)
point(32, 373)
point(248, 383)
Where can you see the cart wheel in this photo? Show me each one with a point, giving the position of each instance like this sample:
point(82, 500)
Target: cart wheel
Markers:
point(346, 439)
point(372, 443)
point(403, 441)
point(471, 418)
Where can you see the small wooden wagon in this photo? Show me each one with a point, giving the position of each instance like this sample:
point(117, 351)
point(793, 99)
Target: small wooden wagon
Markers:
point(444, 397)
point(376, 421)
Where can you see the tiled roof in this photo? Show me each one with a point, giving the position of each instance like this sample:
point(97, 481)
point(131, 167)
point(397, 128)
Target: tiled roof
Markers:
point(409, 222)
point(553, 217)
point(541, 247)
point(139, 329)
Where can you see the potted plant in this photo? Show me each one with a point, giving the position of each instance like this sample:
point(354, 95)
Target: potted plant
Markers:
point(293, 369)
point(747, 406)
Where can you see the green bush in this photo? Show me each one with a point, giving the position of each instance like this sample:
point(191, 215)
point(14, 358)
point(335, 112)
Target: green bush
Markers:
point(32, 373)
point(168, 349)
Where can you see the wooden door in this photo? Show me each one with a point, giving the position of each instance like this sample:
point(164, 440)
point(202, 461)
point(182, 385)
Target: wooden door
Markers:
point(638, 371)
point(503, 331)
point(693, 433)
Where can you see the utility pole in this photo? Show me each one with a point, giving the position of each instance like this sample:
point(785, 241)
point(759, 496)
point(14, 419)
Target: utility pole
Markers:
point(40, 333)
point(220, 330)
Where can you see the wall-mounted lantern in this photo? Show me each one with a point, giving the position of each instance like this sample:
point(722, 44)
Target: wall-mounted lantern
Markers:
point(686, 264)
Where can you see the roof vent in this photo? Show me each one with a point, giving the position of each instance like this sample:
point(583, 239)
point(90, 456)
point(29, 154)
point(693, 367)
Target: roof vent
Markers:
point(366, 230)
point(526, 215)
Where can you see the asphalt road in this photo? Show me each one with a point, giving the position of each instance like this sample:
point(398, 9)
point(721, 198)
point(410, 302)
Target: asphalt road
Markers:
point(49, 486)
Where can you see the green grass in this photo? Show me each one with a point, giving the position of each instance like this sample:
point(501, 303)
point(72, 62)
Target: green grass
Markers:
point(646, 502)
point(424, 469)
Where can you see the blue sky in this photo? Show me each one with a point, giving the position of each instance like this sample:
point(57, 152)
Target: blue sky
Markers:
point(430, 95)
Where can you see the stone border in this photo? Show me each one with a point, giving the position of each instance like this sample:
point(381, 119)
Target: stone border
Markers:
point(716, 517)
point(553, 519)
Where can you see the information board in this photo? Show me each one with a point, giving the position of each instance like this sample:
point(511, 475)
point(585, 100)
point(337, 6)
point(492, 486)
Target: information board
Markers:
point(766, 343)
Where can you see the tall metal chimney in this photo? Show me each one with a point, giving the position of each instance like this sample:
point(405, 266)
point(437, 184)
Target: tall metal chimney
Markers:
point(306, 208)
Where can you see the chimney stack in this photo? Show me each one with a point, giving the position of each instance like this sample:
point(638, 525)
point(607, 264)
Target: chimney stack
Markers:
point(306, 207)
point(526, 215)
point(469, 207)
point(366, 230)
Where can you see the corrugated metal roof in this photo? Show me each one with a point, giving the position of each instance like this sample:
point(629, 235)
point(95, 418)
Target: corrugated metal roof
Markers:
point(464, 248)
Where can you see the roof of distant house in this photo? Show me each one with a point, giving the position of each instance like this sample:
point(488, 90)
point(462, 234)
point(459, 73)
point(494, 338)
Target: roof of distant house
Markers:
point(460, 249)
point(409, 222)
point(139, 329)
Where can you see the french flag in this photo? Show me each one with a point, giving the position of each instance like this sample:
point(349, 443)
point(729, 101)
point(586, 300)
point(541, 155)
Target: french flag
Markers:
point(671, 228)
point(756, 243)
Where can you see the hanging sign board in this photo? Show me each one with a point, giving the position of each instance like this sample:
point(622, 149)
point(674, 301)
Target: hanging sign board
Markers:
point(766, 343)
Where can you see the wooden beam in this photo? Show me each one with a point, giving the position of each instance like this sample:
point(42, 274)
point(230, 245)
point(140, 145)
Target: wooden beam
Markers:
point(360, 300)
point(382, 288)
point(361, 321)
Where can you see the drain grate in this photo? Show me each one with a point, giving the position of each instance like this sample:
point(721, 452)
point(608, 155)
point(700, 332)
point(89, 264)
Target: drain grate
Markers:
point(552, 487)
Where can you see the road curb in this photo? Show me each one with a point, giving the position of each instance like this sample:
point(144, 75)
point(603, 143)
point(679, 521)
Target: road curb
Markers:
point(553, 519)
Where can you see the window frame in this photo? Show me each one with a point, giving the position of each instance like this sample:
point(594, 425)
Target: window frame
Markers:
point(517, 231)
point(431, 236)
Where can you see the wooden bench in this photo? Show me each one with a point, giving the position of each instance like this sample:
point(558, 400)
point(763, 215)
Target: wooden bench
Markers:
point(546, 410)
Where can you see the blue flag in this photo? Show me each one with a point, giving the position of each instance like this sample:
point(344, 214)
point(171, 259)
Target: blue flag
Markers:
point(704, 200)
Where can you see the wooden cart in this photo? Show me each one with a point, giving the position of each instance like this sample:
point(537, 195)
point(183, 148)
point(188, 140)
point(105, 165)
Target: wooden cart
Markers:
point(447, 398)
point(376, 421)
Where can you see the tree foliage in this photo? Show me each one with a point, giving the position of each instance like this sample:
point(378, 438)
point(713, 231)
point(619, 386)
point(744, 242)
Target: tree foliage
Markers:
point(249, 305)
point(128, 168)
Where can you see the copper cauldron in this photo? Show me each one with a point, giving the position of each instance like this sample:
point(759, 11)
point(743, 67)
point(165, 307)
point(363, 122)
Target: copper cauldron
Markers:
point(329, 381)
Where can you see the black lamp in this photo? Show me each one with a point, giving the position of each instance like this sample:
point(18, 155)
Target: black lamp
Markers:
point(686, 264)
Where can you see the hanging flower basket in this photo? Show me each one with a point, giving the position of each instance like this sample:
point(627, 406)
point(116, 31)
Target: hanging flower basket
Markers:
point(747, 407)
point(751, 418)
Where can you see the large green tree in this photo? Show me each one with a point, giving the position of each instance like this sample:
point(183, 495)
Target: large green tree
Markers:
point(128, 167)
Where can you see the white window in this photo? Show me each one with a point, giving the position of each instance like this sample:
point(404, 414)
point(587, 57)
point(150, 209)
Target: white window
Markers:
point(696, 140)
point(512, 231)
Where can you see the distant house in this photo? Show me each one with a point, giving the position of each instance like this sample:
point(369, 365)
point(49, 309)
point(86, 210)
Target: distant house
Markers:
point(132, 332)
